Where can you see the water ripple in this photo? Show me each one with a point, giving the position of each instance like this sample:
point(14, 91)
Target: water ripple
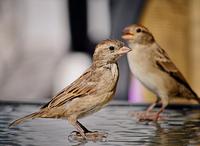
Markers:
point(180, 128)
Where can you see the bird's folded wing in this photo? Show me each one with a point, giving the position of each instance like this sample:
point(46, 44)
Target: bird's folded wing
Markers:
point(84, 85)
point(165, 64)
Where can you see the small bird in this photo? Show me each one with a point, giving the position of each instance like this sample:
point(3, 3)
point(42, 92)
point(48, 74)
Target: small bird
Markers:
point(89, 93)
point(152, 66)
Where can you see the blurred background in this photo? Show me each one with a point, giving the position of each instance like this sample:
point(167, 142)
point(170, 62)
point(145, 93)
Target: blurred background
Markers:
point(45, 45)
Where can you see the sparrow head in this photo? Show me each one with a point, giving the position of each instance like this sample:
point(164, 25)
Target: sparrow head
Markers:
point(109, 51)
point(137, 34)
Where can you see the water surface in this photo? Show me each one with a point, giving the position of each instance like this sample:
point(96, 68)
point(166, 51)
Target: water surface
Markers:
point(180, 128)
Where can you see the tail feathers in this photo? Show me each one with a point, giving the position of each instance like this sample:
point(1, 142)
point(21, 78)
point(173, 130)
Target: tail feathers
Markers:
point(190, 94)
point(23, 119)
point(197, 99)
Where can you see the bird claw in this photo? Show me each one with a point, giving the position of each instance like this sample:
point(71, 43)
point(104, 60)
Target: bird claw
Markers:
point(144, 116)
point(96, 136)
point(75, 136)
point(89, 136)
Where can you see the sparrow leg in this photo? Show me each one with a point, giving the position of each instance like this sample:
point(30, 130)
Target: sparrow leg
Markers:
point(165, 102)
point(152, 116)
point(92, 135)
point(149, 109)
point(155, 116)
point(84, 134)
point(147, 115)
point(77, 135)
point(85, 130)
point(81, 130)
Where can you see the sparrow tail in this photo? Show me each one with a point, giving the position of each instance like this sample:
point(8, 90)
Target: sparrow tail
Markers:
point(197, 99)
point(23, 119)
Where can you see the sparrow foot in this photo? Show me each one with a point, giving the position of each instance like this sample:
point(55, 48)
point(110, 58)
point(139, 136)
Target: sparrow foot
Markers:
point(89, 136)
point(96, 136)
point(145, 116)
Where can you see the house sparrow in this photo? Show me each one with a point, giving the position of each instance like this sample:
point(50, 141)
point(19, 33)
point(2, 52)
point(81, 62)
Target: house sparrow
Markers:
point(89, 93)
point(152, 66)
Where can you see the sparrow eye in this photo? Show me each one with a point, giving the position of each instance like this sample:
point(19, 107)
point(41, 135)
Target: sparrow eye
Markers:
point(138, 30)
point(111, 48)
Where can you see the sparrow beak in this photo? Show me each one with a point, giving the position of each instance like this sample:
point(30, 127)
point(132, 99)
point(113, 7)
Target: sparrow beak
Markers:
point(127, 34)
point(124, 50)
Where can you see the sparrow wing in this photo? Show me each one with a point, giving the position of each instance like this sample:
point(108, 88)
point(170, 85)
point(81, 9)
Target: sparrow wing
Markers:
point(84, 85)
point(165, 64)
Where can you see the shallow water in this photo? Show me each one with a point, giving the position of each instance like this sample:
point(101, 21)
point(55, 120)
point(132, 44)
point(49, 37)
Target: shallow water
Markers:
point(180, 128)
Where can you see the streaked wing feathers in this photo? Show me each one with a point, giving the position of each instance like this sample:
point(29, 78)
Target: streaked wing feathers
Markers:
point(165, 64)
point(80, 87)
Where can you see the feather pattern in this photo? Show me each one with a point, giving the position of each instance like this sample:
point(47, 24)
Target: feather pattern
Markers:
point(77, 89)
point(165, 64)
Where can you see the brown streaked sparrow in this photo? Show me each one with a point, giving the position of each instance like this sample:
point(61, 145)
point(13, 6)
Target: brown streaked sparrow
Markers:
point(152, 66)
point(89, 93)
